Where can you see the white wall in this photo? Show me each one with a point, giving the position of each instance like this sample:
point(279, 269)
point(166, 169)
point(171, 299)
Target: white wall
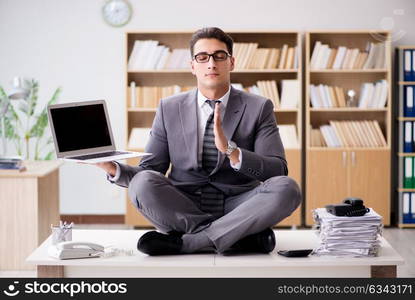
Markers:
point(66, 43)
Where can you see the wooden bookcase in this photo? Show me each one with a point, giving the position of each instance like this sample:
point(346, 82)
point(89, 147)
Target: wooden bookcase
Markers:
point(333, 174)
point(401, 119)
point(143, 117)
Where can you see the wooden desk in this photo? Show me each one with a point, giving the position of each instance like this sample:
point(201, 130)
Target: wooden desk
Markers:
point(29, 203)
point(212, 265)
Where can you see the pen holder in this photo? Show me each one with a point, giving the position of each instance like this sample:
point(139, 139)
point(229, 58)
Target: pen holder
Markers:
point(61, 235)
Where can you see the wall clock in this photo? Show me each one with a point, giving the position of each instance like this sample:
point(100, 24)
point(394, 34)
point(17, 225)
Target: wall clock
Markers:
point(117, 12)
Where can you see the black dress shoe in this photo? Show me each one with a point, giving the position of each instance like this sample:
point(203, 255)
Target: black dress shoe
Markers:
point(155, 243)
point(261, 242)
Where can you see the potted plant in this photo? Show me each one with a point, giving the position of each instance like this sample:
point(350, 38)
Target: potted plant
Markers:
point(25, 125)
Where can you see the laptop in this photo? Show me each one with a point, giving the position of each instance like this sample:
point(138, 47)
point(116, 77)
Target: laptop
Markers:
point(82, 132)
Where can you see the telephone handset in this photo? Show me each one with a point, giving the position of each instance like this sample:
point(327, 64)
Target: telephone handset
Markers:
point(350, 207)
point(73, 250)
point(80, 245)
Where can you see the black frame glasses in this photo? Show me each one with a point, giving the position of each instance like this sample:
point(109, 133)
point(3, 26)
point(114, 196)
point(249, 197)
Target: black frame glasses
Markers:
point(204, 57)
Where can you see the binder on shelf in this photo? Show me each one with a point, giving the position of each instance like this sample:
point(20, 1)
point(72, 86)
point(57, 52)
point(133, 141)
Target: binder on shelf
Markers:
point(407, 65)
point(409, 110)
point(408, 144)
point(412, 208)
point(413, 66)
point(406, 204)
point(408, 175)
point(413, 136)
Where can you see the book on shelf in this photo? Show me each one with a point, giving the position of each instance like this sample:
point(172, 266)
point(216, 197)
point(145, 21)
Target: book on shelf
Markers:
point(139, 138)
point(290, 93)
point(343, 58)
point(317, 139)
point(289, 138)
point(363, 133)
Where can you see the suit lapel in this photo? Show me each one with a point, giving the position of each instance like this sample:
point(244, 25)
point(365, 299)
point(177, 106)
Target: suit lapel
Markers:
point(188, 119)
point(233, 114)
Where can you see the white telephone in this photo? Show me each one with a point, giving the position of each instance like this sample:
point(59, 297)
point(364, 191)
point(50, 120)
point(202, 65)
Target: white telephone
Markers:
point(71, 250)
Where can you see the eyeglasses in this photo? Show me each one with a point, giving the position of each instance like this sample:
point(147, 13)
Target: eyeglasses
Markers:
point(219, 55)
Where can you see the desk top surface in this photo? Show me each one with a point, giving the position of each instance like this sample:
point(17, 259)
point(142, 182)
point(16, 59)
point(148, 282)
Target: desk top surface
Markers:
point(286, 239)
point(33, 169)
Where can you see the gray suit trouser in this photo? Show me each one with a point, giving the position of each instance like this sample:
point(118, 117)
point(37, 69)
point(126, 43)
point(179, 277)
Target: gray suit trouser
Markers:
point(169, 208)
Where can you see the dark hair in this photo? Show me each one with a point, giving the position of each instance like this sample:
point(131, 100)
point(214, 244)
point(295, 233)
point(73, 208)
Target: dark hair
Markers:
point(211, 33)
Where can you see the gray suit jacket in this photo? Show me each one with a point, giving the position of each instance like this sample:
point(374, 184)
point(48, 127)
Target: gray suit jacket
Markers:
point(249, 121)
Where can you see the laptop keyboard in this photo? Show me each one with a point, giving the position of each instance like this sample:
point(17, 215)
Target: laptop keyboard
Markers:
point(98, 155)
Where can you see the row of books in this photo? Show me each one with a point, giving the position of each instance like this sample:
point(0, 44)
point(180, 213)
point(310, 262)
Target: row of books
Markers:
point(408, 65)
point(327, 96)
point(366, 133)
point(149, 96)
point(149, 55)
point(409, 137)
point(409, 174)
point(408, 208)
point(249, 56)
point(324, 57)
point(408, 101)
point(372, 95)
point(290, 92)
point(139, 137)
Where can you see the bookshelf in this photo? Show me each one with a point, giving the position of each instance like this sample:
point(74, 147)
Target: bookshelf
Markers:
point(359, 165)
point(142, 117)
point(405, 186)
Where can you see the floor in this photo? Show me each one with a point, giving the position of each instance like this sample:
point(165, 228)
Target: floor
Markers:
point(402, 240)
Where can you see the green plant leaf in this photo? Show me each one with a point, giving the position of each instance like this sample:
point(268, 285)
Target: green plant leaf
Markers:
point(49, 156)
point(2, 93)
point(32, 101)
point(38, 128)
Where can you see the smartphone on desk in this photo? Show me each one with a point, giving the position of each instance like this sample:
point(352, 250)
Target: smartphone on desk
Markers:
point(295, 253)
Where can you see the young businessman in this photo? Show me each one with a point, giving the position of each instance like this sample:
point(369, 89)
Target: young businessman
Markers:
point(228, 183)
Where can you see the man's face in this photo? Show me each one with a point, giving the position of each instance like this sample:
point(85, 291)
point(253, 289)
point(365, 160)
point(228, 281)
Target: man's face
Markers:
point(213, 73)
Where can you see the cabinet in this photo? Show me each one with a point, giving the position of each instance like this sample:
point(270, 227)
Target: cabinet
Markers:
point(29, 203)
point(143, 116)
point(334, 173)
point(358, 173)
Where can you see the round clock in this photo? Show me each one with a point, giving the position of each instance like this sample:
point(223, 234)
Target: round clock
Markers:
point(117, 12)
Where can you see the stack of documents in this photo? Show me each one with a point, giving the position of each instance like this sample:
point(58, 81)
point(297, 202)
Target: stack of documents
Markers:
point(348, 236)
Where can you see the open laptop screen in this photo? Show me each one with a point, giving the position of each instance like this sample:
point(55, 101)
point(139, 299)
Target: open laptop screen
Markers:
point(80, 127)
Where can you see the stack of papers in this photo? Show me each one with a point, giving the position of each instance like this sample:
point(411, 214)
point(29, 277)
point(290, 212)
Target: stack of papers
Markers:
point(348, 236)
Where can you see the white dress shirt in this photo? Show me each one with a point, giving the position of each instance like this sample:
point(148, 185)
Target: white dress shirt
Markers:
point(203, 112)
